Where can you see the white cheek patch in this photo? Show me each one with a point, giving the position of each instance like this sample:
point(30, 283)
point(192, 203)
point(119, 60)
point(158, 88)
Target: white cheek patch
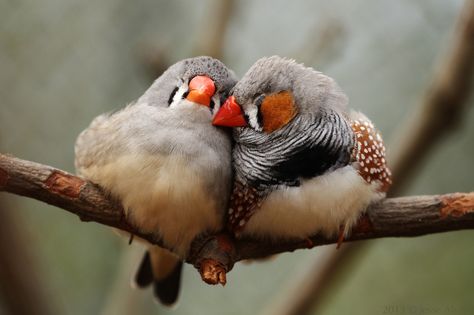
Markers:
point(252, 112)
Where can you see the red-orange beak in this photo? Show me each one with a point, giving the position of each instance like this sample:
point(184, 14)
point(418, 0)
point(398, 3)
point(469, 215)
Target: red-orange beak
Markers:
point(230, 115)
point(201, 89)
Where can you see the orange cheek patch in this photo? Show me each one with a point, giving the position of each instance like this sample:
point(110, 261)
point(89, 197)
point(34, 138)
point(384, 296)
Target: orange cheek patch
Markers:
point(277, 110)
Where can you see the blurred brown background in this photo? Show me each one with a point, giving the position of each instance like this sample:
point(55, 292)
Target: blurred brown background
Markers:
point(64, 62)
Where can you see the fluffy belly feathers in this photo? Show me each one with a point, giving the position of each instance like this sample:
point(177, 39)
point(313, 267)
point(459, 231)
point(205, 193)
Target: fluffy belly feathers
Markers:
point(318, 205)
point(161, 195)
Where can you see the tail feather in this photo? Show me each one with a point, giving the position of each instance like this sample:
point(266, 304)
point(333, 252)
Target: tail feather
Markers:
point(162, 269)
point(144, 275)
point(166, 290)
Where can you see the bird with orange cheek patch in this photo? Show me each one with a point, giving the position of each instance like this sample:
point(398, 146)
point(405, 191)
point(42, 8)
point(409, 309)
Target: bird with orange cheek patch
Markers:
point(303, 163)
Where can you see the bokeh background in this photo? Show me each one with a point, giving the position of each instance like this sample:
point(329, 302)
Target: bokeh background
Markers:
point(64, 62)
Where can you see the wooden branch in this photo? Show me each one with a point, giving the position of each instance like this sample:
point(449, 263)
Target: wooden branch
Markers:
point(393, 217)
point(66, 191)
point(216, 255)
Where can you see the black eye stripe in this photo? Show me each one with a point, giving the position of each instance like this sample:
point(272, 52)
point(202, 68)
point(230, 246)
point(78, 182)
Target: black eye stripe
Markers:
point(259, 100)
point(246, 118)
point(211, 105)
point(170, 100)
point(259, 117)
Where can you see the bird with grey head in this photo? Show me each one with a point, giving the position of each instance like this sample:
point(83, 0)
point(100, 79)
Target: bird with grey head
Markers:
point(168, 166)
point(304, 164)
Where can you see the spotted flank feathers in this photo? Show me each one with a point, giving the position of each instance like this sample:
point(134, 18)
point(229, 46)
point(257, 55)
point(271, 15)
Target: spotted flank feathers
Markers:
point(369, 153)
point(244, 201)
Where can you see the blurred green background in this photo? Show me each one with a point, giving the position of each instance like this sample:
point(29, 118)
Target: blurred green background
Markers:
point(64, 62)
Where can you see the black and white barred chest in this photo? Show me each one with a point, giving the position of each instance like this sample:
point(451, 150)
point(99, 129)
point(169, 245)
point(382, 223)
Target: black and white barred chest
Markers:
point(263, 162)
point(304, 149)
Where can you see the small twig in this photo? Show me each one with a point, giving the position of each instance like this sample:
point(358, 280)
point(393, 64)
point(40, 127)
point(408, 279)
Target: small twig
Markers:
point(216, 255)
point(65, 191)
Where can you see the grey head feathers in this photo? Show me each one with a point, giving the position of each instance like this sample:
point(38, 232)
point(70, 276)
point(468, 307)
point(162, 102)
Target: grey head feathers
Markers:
point(318, 139)
point(311, 88)
point(161, 91)
point(142, 127)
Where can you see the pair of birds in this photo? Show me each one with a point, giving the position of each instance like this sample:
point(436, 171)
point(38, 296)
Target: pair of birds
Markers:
point(299, 163)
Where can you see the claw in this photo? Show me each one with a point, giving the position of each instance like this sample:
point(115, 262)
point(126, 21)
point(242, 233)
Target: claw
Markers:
point(340, 238)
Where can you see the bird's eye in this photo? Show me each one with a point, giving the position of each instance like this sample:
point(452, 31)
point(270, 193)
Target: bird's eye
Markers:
point(170, 100)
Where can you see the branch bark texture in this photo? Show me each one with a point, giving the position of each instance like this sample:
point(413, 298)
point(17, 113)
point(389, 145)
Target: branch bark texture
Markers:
point(215, 255)
point(66, 191)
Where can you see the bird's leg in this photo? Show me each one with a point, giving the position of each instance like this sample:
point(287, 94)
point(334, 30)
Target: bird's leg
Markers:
point(340, 238)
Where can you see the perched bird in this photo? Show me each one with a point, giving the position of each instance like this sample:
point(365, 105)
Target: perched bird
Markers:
point(170, 168)
point(303, 163)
